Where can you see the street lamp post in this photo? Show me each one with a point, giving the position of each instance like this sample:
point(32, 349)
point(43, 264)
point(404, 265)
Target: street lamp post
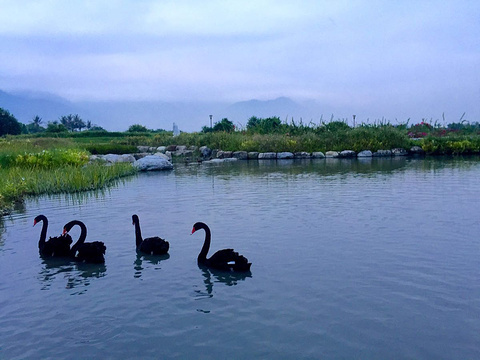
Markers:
point(211, 116)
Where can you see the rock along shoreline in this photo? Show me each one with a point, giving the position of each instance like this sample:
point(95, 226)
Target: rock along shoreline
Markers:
point(162, 157)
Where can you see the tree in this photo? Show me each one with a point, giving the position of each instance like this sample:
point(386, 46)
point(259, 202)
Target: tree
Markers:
point(55, 127)
point(264, 126)
point(206, 129)
point(137, 128)
point(9, 124)
point(35, 125)
point(224, 125)
point(253, 122)
point(72, 122)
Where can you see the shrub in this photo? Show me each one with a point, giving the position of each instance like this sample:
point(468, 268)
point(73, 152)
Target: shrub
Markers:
point(9, 124)
point(102, 149)
point(137, 128)
point(264, 126)
point(51, 158)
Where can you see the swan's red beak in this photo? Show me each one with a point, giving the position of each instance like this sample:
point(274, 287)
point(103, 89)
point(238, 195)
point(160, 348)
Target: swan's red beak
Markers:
point(193, 230)
point(34, 222)
point(64, 231)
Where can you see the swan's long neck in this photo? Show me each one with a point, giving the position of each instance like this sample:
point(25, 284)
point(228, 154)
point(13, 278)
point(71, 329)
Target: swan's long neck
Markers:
point(206, 245)
point(43, 233)
point(83, 235)
point(138, 233)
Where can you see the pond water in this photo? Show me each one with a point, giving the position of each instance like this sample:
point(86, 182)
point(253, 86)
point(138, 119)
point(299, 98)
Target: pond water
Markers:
point(374, 259)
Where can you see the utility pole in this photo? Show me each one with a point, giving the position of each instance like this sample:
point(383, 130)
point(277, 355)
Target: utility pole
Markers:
point(211, 116)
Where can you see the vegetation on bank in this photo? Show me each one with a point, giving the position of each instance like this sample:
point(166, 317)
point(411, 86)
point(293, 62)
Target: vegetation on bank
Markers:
point(259, 134)
point(36, 160)
point(47, 166)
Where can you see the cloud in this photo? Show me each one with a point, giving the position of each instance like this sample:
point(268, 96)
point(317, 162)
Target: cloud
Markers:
point(417, 54)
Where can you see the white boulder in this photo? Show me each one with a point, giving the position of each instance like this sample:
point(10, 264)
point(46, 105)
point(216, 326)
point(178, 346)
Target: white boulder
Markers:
point(153, 163)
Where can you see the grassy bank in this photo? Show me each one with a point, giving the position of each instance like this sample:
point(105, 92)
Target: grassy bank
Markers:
point(271, 134)
point(49, 163)
point(47, 166)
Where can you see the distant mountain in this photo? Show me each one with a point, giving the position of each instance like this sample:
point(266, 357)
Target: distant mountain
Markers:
point(189, 116)
point(25, 106)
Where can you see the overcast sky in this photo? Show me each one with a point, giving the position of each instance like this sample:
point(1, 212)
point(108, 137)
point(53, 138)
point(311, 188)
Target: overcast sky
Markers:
point(391, 58)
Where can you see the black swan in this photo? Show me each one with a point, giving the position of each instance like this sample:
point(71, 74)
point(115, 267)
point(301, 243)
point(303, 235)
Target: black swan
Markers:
point(226, 259)
point(152, 245)
point(92, 252)
point(58, 246)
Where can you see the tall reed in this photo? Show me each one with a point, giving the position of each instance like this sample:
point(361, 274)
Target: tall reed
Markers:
point(18, 182)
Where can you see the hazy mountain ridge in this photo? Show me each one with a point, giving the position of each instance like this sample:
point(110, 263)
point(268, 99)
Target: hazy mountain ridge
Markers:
point(119, 115)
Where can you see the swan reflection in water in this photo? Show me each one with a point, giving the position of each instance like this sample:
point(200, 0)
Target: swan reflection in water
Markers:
point(151, 259)
point(229, 278)
point(76, 274)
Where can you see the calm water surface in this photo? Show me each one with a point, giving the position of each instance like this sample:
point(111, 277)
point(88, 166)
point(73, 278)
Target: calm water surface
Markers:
point(375, 259)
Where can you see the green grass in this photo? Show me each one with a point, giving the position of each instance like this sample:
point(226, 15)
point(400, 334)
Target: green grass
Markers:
point(18, 182)
point(45, 163)
point(322, 139)
point(49, 165)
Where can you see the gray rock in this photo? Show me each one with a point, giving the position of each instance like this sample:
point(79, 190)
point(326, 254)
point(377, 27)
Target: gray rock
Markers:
point(318, 155)
point(193, 148)
point(302, 155)
point(399, 152)
point(153, 163)
point(417, 150)
point(224, 154)
point(284, 155)
point(347, 154)
point(182, 151)
point(114, 158)
point(143, 148)
point(152, 149)
point(252, 155)
point(365, 153)
point(219, 161)
point(205, 151)
point(161, 149)
point(140, 155)
point(331, 154)
point(162, 155)
point(188, 153)
point(267, 156)
point(171, 148)
point(382, 153)
point(240, 155)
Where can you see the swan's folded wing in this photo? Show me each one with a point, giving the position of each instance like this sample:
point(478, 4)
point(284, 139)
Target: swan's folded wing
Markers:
point(57, 246)
point(223, 256)
point(154, 245)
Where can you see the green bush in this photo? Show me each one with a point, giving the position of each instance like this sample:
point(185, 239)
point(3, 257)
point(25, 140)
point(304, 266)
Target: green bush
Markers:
point(137, 128)
point(264, 126)
point(51, 158)
point(102, 149)
point(9, 124)
point(451, 145)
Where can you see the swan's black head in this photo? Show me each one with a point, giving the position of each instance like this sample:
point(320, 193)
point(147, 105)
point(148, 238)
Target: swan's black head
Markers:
point(38, 219)
point(134, 219)
point(198, 226)
point(68, 226)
